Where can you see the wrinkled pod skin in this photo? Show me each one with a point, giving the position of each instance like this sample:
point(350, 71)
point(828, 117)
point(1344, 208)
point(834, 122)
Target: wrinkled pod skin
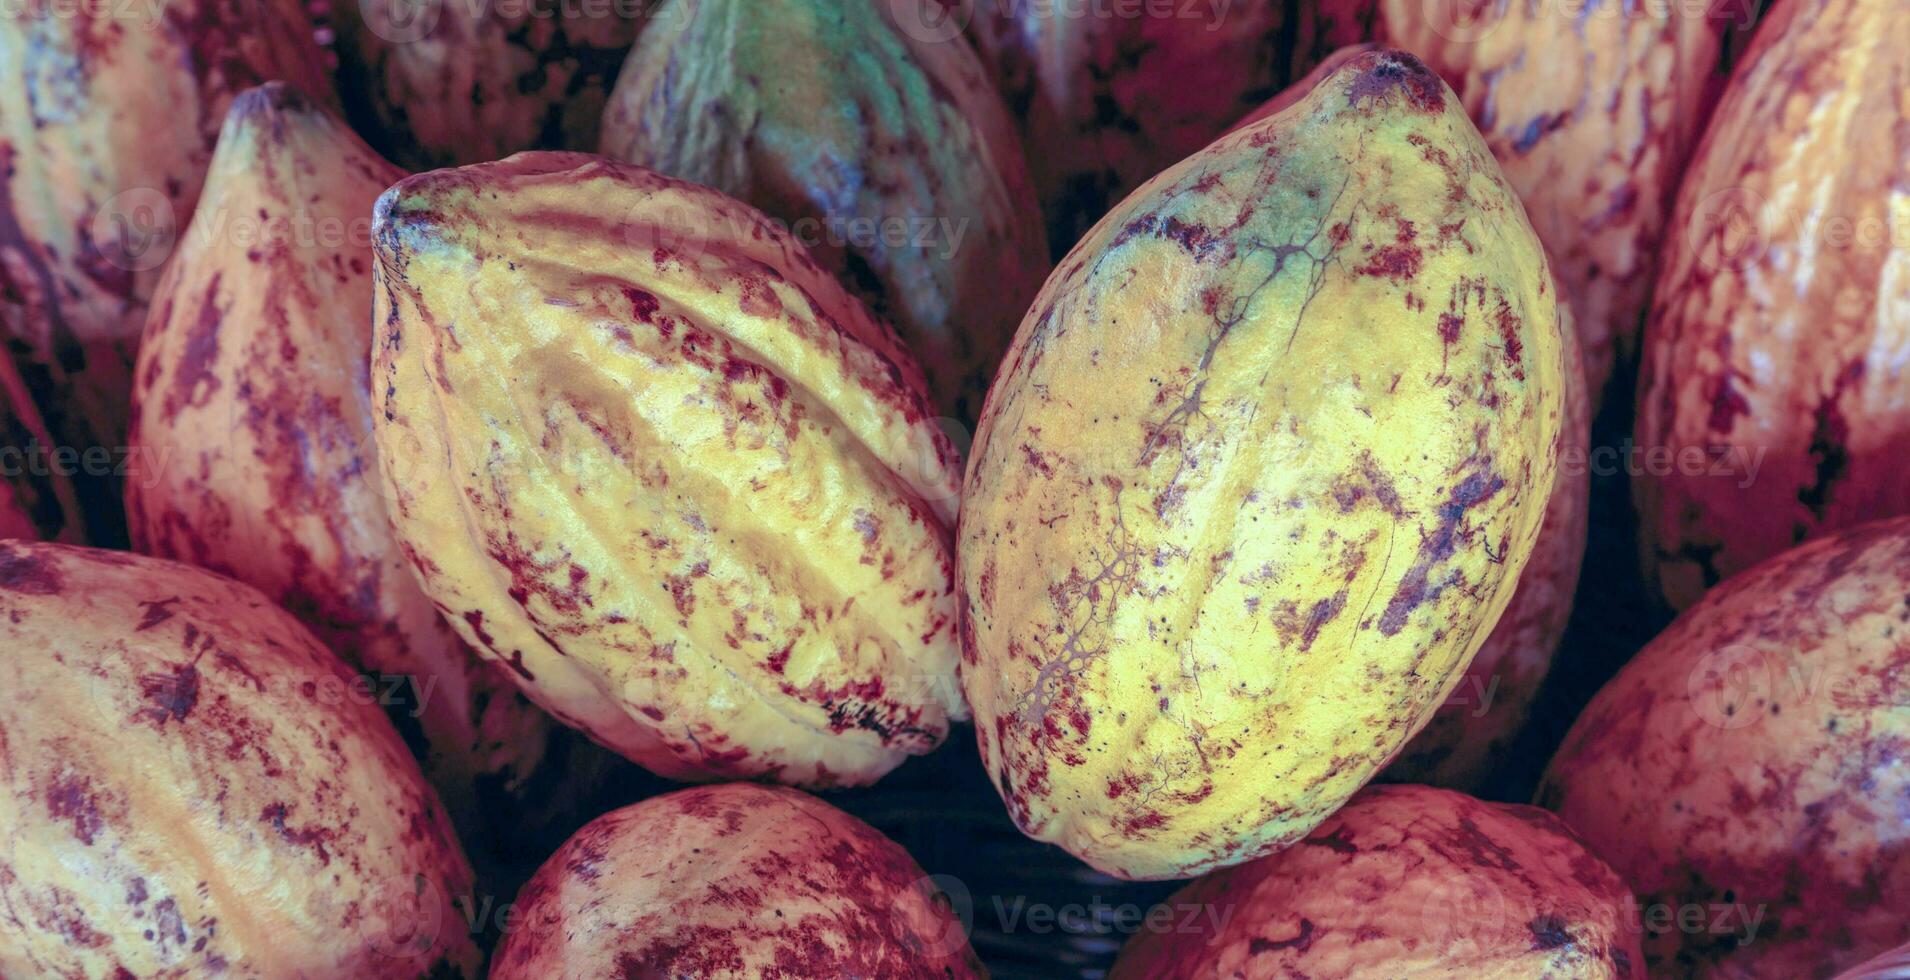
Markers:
point(887, 154)
point(1405, 881)
point(1772, 386)
point(108, 116)
point(190, 788)
point(1747, 762)
point(1258, 478)
point(1592, 109)
point(436, 84)
point(647, 454)
point(37, 501)
point(1108, 95)
point(254, 389)
point(732, 881)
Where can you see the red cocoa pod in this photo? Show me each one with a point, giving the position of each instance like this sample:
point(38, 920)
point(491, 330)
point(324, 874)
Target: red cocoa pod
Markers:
point(190, 787)
point(254, 407)
point(108, 115)
point(36, 491)
point(732, 881)
point(646, 453)
point(1745, 766)
point(436, 83)
point(888, 154)
point(1769, 403)
point(1406, 881)
point(1593, 110)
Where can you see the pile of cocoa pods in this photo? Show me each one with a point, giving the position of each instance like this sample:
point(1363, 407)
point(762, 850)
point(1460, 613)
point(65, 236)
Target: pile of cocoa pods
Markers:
point(505, 488)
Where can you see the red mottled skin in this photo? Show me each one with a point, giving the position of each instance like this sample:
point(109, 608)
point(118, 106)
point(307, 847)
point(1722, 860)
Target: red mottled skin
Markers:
point(1406, 881)
point(108, 116)
point(733, 881)
point(190, 786)
point(1751, 762)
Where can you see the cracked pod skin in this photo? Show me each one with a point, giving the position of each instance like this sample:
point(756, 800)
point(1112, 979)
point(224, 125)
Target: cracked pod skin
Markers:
point(1593, 110)
point(437, 83)
point(648, 455)
point(732, 881)
point(36, 501)
point(107, 124)
point(1259, 476)
point(1750, 758)
point(1110, 95)
point(1405, 881)
point(190, 786)
point(1472, 732)
point(866, 121)
point(254, 389)
point(1779, 332)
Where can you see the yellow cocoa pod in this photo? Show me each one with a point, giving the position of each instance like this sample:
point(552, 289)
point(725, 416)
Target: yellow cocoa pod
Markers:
point(732, 882)
point(1259, 475)
point(646, 453)
point(1406, 881)
point(192, 786)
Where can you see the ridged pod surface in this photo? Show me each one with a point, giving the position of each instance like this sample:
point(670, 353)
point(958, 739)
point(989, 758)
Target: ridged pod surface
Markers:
point(650, 456)
point(436, 83)
point(886, 152)
point(1258, 478)
point(108, 116)
point(1772, 404)
point(190, 787)
point(1748, 763)
point(1110, 94)
point(36, 495)
point(1472, 733)
point(1592, 108)
point(1406, 881)
point(732, 881)
point(254, 391)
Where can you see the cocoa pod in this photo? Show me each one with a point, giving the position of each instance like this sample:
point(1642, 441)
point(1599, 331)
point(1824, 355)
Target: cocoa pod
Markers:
point(732, 881)
point(646, 453)
point(1405, 881)
point(1745, 766)
point(1768, 406)
point(436, 83)
point(37, 500)
point(108, 115)
point(190, 787)
point(1473, 730)
point(1257, 479)
point(887, 152)
point(1593, 110)
point(1111, 94)
point(255, 396)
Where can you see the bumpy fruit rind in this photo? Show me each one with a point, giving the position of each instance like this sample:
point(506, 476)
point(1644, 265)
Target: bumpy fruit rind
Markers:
point(190, 785)
point(649, 456)
point(1257, 479)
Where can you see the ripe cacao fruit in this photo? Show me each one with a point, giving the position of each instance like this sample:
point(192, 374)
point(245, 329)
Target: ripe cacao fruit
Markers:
point(107, 123)
point(1259, 475)
point(1111, 94)
point(1593, 110)
point(1406, 881)
point(646, 453)
point(36, 489)
point(254, 389)
point(1745, 766)
point(1770, 403)
point(191, 786)
point(886, 152)
point(737, 881)
point(437, 83)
